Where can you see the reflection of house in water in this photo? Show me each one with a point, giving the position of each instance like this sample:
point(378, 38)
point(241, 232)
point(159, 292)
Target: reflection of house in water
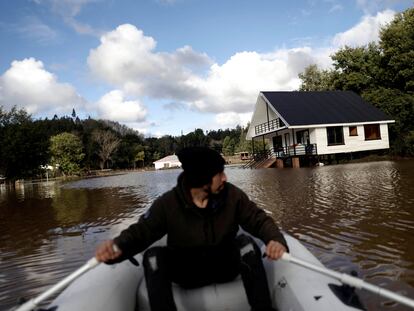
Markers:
point(238, 158)
point(244, 155)
point(305, 127)
point(170, 161)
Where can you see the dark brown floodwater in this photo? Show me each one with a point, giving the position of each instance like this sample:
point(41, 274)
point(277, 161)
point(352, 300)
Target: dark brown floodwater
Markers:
point(352, 217)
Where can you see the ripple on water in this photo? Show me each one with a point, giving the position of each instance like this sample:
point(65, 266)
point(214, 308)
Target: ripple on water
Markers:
point(352, 217)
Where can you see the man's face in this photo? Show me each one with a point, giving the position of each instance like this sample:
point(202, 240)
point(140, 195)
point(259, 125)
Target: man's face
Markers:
point(217, 182)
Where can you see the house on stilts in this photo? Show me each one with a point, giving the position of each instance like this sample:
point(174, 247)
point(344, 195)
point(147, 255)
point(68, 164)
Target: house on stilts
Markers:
point(303, 128)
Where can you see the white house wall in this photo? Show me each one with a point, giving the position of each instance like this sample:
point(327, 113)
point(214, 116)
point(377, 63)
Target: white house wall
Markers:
point(352, 143)
point(319, 137)
point(161, 165)
point(260, 116)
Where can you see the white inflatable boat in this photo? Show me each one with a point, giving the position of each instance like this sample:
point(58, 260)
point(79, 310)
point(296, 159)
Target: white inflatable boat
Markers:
point(293, 288)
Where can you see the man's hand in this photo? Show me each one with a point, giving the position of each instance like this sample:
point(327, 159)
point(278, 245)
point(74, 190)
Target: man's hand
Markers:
point(107, 251)
point(274, 250)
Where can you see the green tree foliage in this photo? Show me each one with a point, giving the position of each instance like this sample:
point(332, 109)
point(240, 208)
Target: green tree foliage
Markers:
point(229, 146)
point(397, 46)
point(383, 74)
point(315, 79)
point(410, 142)
point(26, 144)
point(400, 106)
point(125, 155)
point(140, 157)
point(23, 145)
point(244, 145)
point(196, 138)
point(356, 69)
point(66, 152)
point(166, 145)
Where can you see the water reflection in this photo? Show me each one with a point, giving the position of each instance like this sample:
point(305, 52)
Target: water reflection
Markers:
point(48, 230)
point(352, 217)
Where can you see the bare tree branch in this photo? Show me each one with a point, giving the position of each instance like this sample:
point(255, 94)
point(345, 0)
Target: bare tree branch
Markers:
point(107, 142)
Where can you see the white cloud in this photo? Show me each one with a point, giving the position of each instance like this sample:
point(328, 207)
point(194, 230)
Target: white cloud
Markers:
point(126, 59)
point(113, 106)
point(234, 86)
point(28, 85)
point(366, 31)
point(232, 119)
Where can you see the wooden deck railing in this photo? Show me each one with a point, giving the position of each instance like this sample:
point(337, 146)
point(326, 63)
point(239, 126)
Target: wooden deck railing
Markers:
point(296, 150)
point(283, 152)
point(269, 126)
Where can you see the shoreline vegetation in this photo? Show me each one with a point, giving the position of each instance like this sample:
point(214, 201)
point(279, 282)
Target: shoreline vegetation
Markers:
point(382, 73)
point(118, 172)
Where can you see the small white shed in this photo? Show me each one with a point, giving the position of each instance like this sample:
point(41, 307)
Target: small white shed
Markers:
point(170, 161)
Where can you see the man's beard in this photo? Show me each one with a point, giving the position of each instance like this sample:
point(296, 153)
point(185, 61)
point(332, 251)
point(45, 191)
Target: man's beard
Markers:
point(210, 191)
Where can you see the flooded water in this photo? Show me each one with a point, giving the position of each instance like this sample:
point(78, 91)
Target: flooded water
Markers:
point(352, 217)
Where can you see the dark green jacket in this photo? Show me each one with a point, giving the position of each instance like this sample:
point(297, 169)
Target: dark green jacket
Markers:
point(190, 228)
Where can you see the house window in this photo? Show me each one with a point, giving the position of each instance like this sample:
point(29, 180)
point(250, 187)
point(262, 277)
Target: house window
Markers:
point(302, 137)
point(372, 131)
point(335, 135)
point(353, 131)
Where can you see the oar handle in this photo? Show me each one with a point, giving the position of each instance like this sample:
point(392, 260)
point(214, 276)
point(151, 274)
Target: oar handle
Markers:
point(33, 303)
point(350, 280)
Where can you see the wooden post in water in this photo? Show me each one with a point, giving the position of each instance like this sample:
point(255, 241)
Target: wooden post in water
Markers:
point(295, 162)
point(279, 163)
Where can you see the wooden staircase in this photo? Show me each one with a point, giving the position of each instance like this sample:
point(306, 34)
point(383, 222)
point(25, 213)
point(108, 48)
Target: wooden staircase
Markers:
point(262, 160)
point(266, 163)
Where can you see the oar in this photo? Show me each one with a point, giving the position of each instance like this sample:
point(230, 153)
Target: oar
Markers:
point(33, 303)
point(350, 280)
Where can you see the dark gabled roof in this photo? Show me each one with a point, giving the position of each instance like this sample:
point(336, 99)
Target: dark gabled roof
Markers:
point(327, 107)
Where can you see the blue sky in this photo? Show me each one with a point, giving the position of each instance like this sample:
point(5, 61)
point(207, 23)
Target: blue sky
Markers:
point(170, 66)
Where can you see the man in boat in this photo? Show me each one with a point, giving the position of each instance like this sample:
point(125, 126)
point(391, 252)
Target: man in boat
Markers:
point(201, 216)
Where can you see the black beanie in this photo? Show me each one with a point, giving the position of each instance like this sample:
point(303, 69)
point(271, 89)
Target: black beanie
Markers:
point(200, 164)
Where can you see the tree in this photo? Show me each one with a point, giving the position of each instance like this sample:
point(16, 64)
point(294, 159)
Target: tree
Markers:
point(196, 138)
point(314, 79)
point(244, 145)
point(66, 152)
point(397, 45)
point(124, 156)
point(140, 157)
point(167, 145)
point(107, 144)
point(399, 106)
point(357, 69)
point(229, 146)
point(23, 145)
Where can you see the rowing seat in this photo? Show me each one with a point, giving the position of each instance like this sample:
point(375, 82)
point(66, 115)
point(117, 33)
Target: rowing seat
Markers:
point(225, 296)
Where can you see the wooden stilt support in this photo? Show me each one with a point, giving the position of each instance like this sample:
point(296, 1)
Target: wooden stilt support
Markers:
point(279, 163)
point(295, 162)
